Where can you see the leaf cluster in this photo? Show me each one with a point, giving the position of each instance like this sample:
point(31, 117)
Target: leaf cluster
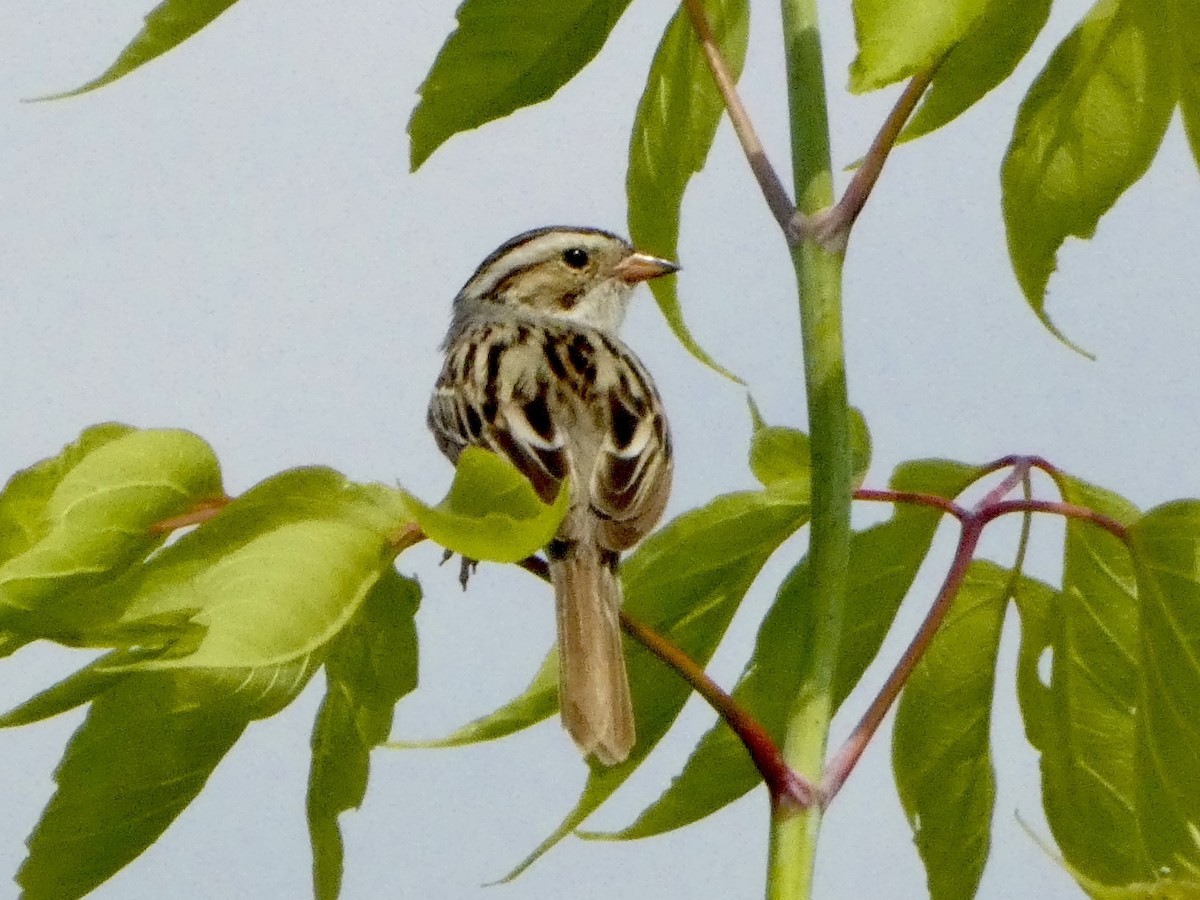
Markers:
point(219, 628)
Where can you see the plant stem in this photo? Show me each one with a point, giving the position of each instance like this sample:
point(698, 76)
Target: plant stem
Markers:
point(772, 188)
point(819, 275)
point(847, 757)
point(784, 785)
point(832, 227)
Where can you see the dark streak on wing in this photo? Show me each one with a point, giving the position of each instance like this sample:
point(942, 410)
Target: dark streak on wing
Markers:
point(554, 361)
point(582, 356)
point(632, 477)
point(529, 463)
point(495, 351)
point(537, 414)
point(624, 421)
point(504, 411)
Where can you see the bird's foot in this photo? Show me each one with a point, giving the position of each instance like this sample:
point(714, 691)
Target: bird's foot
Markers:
point(466, 570)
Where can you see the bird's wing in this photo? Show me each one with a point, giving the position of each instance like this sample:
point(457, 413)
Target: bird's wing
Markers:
point(493, 393)
point(631, 478)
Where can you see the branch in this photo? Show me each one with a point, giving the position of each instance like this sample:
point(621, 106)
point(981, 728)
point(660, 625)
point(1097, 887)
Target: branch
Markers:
point(197, 515)
point(1059, 508)
point(840, 767)
point(831, 227)
point(785, 786)
point(992, 506)
point(915, 498)
point(768, 179)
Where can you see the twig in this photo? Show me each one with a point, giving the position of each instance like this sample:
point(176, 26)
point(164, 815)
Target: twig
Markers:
point(784, 785)
point(197, 515)
point(405, 536)
point(840, 767)
point(1030, 461)
point(831, 227)
point(1058, 508)
point(768, 179)
point(1018, 475)
point(992, 506)
point(912, 497)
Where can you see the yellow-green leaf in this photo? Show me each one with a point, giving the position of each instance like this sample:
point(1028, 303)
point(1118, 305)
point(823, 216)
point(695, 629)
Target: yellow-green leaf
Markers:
point(369, 667)
point(117, 794)
point(1087, 130)
point(538, 702)
point(673, 131)
point(80, 520)
point(898, 38)
point(492, 511)
point(167, 25)
point(503, 56)
point(941, 751)
point(1189, 70)
point(986, 55)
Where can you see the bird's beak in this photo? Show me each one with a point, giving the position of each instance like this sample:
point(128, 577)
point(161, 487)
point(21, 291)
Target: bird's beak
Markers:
point(642, 267)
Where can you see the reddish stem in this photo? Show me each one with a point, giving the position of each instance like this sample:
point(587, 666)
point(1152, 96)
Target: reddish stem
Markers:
point(831, 227)
point(1030, 461)
point(840, 767)
point(992, 506)
point(772, 188)
point(787, 787)
point(1058, 508)
point(784, 785)
point(197, 515)
point(1018, 473)
point(882, 496)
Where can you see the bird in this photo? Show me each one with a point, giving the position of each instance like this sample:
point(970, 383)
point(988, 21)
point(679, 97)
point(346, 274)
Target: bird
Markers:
point(534, 371)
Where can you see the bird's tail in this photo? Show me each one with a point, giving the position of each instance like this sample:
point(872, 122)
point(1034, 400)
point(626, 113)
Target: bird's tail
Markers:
point(593, 689)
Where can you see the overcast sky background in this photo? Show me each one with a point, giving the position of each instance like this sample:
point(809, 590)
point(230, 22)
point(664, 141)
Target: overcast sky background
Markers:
point(229, 241)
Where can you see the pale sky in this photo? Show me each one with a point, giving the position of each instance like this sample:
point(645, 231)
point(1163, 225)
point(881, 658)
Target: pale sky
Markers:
point(229, 241)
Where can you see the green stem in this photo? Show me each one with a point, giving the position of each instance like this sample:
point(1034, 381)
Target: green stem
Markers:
point(819, 276)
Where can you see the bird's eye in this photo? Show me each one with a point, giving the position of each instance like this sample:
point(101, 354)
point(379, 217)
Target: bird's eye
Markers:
point(575, 257)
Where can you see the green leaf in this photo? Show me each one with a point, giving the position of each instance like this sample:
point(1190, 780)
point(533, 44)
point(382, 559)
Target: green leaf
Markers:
point(860, 446)
point(1087, 130)
point(73, 691)
point(536, 703)
point(273, 578)
point(779, 454)
point(370, 666)
point(883, 563)
point(673, 131)
point(1083, 721)
point(23, 500)
point(898, 38)
point(144, 751)
point(492, 511)
point(1189, 71)
point(504, 56)
point(940, 745)
point(1166, 542)
point(78, 521)
point(1037, 604)
point(269, 585)
point(168, 25)
point(685, 582)
point(1137, 754)
point(985, 57)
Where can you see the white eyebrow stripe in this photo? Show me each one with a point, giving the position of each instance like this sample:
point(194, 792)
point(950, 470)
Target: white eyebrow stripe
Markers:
point(537, 249)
